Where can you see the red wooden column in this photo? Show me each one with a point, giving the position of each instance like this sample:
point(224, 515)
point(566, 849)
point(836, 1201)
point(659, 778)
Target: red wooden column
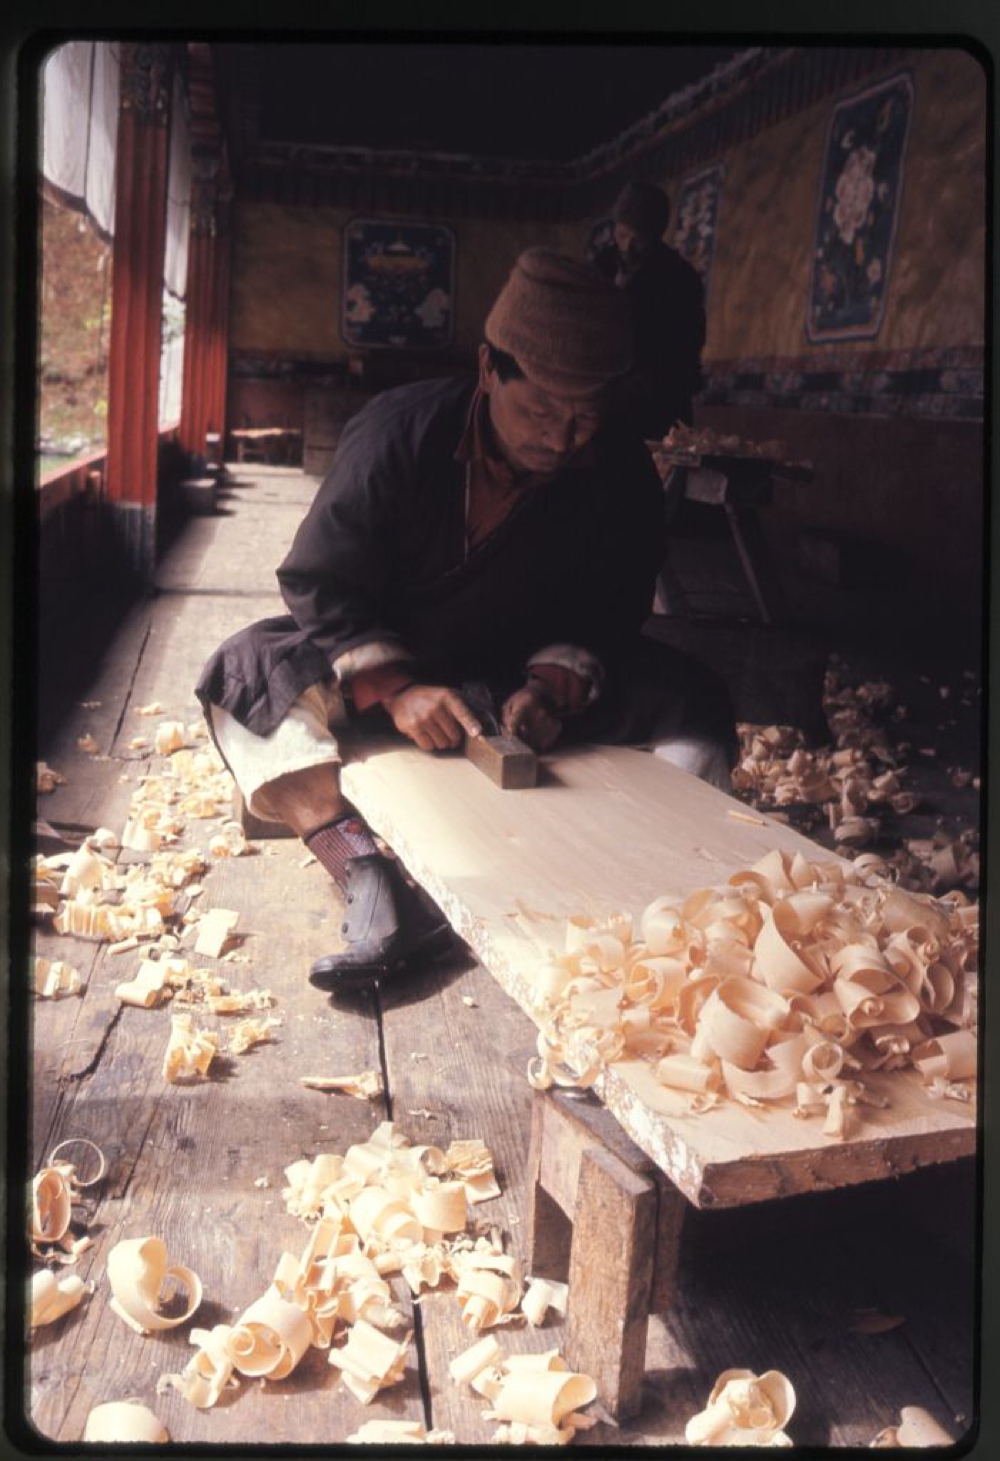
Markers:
point(136, 301)
point(206, 318)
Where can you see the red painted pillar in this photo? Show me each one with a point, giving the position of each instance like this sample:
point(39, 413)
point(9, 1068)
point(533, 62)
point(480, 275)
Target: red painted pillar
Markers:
point(206, 317)
point(136, 301)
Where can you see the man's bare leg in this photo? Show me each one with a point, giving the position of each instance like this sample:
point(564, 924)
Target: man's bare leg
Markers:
point(308, 799)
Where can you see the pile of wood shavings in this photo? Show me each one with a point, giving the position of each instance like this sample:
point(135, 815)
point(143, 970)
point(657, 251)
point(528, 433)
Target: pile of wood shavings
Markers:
point(854, 781)
point(786, 986)
point(384, 1207)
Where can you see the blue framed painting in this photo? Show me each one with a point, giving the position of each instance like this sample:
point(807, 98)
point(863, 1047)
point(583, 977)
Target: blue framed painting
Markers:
point(398, 284)
point(697, 218)
point(858, 211)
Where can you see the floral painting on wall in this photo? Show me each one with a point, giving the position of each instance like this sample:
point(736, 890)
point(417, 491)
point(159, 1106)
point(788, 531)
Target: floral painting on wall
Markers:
point(858, 210)
point(398, 284)
point(696, 220)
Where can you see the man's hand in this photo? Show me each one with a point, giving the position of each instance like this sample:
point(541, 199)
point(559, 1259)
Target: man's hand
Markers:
point(527, 714)
point(433, 716)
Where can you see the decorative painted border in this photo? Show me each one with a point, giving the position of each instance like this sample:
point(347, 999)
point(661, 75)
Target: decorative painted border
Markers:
point(858, 211)
point(945, 383)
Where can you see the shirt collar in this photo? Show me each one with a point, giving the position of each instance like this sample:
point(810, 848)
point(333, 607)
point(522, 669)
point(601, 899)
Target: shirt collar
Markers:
point(478, 446)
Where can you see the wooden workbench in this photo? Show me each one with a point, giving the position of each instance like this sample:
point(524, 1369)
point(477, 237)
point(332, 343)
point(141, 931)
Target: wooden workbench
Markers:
point(607, 830)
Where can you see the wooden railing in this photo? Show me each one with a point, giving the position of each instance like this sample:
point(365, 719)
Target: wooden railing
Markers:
point(84, 475)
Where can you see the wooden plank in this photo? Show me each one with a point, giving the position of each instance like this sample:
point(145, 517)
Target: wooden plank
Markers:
point(609, 829)
point(184, 1162)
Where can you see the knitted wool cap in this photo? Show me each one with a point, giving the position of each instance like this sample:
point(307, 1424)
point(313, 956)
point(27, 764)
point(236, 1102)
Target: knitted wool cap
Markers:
point(644, 207)
point(564, 323)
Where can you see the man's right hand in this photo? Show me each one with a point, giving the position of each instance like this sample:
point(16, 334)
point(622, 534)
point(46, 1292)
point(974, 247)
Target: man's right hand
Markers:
point(433, 716)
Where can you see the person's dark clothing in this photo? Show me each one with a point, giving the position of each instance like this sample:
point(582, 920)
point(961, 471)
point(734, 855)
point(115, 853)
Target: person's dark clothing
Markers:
point(667, 306)
point(381, 557)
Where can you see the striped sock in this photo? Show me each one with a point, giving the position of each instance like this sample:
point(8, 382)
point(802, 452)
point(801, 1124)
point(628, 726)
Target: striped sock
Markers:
point(337, 842)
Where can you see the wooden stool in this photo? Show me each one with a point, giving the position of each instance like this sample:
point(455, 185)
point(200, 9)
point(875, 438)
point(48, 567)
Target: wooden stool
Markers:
point(601, 1214)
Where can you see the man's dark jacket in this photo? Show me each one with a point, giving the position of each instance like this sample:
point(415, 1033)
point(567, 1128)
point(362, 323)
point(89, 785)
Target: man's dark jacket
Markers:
point(380, 556)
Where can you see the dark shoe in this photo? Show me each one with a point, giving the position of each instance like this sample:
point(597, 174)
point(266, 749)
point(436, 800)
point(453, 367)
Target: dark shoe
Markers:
point(387, 925)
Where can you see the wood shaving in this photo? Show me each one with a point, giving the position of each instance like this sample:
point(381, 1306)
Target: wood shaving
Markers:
point(370, 1361)
point(149, 985)
point(469, 1002)
point(249, 1033)
point(917, 1427)
point(208, 1372)
point(54, 1192)
point(52, 978)
point(399, 1432)
point(785, 985)
point(47, 779)
point(50, 1297)
point(137, 1272)
point(189, 1052)
point(365, 1086)
point(125, 1422)
point(214, 931)
point(88, 744)
point(169, 737)
point(155, 708)
point(541, 1295)
point(270, 1338)
point(536, 1395)
point(137, 743)
point(230, 842)
point(744, 1409)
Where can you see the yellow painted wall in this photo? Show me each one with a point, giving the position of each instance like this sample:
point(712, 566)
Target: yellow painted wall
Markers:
point(761, 270)
point(287, 275)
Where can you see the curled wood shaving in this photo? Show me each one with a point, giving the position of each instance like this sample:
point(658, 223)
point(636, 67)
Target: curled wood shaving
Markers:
point(189, 1051)
point(370, 1361)
point(155, 708)
point(786, 985)
point(270, 1338)
point(52, 978)
point(744, 1409)
point(51, 1298)
point(54, 1192)
point(207, 1373)
point(537, 1395)
point(543, 1294)
point(365, 1086)
point(125, 1422)
point(88, 744)
point(917, 1427)
point(47, 779)
point(137, 1272)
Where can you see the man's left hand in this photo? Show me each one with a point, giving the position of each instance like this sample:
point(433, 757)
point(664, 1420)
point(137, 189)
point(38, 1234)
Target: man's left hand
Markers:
point(526, 714)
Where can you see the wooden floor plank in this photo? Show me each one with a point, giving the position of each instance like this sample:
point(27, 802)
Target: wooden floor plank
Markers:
point(184, 1161)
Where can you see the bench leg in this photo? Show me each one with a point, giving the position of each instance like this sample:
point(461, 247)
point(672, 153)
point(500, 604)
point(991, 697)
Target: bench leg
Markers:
point(751, 546)
point(611, 1278)
point(548, 1227)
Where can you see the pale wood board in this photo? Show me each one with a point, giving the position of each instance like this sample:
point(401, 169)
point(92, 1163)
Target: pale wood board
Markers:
point(607, 830)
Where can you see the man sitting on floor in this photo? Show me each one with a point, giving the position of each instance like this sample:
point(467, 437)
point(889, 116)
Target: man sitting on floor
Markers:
point(498, 531)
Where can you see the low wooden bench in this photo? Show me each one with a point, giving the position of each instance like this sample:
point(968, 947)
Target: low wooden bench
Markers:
point(608, 829)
